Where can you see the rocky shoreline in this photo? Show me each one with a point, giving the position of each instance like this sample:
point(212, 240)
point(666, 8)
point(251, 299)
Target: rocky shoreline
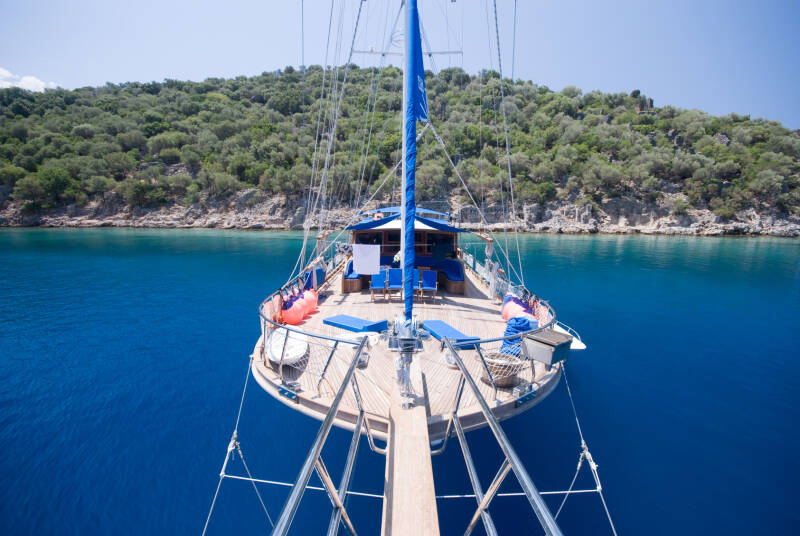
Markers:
point(251, 209)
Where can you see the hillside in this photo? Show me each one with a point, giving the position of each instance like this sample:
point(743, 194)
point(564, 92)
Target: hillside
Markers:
point(239, 153)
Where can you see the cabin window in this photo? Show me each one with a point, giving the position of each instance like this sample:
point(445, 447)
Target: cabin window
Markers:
point(421, 243)
point(369, 238)
point(441, 245)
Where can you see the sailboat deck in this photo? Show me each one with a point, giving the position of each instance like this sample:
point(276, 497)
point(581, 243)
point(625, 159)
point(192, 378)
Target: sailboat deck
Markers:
point(473, 314)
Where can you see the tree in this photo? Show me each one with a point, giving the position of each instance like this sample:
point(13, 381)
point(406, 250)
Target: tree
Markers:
point(10, 174)
point(119, 164)
point(767, 185)
point(84, 130)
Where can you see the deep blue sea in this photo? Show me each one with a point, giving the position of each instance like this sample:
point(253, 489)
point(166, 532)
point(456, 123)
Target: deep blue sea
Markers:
point(123, 354)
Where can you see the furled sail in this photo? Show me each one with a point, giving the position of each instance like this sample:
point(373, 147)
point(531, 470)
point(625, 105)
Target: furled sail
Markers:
point(416, 109)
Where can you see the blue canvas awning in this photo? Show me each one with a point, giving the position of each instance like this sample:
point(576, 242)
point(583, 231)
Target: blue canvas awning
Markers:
point(393, 210)
point(419, 224)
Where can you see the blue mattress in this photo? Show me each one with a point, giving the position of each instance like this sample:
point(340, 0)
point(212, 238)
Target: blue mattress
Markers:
point(353, 323)
point(441, 329)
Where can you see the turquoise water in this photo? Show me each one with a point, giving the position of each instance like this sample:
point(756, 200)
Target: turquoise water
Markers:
point(123, 353)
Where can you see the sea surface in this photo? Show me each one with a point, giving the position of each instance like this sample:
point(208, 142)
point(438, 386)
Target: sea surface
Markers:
point(123, 354)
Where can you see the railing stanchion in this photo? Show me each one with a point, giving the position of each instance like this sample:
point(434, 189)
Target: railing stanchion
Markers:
point(284, 522)
point(537, 503)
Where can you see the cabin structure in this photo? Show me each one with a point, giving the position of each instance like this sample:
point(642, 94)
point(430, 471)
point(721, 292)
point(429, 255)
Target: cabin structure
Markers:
point(436, 247)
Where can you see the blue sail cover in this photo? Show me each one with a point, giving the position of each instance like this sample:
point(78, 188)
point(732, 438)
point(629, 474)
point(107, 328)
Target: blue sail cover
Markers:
point(416, 109)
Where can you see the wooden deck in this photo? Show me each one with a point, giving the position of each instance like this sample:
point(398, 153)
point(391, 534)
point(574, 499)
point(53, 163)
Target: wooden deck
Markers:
point(409, 494)
point(472, 313)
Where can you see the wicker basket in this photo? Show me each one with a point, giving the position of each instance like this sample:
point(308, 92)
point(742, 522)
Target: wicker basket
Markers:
point(504, 369)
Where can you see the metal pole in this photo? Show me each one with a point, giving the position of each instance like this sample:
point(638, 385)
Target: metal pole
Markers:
point(488, 524)
point(336, 516)
point(293, 501)
point(537, 503)
point(327, 483)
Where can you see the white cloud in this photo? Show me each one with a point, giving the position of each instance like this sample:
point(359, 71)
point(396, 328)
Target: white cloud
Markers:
point(31, 83)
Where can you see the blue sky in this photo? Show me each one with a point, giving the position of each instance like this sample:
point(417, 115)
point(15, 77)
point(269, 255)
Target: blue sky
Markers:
point(716, 56)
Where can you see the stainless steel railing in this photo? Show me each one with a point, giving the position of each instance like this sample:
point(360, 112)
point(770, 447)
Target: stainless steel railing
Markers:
point(314, 462)
point(511, 462)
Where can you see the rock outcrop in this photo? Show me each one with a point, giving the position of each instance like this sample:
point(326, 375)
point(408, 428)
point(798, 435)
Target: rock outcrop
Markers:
point(252, 209)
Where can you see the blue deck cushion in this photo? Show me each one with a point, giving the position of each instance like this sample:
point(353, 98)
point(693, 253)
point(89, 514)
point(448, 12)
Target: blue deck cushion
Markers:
point(378, 281)
point(395, 279)
point(349, 273)
point(441, 329)
point(353, 323)
point(428, 280)
point(451, 268)
point(416, 279)
point(310, 278)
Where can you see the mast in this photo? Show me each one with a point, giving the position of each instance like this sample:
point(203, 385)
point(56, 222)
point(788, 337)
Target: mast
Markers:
point(415, 107)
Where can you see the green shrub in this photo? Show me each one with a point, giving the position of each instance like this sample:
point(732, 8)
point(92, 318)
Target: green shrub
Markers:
point(97, 184)
point(680, 207)
point(170, 156)
point(222, 185)
point(10, 174)
point(141, 193)
point(85, 131)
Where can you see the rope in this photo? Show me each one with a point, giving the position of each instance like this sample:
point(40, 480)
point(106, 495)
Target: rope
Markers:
point(231, 446)
point(469, 193)
point(381, 496)
point(300, 262)
point(574, 478)
point(514, 43)
point(313, 488)
point(508, 146)
point(255, 488)
point(588, 455)
point(323, 181)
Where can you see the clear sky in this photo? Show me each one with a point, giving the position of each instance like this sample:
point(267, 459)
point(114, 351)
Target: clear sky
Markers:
point(717, 56)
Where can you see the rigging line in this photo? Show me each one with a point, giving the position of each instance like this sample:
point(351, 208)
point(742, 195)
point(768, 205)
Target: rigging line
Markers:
point(572, 403)
point(331, 140)
point(214, 501)
point(496, 131)
point(387, 45)
point(508, 146)
point(255, 488)
point(469, 193)
point(375, 162)
point(388, 176)
point(381, 496)
point(514, 43)
point(231, 446)
point(588, 455)
point(480, 211)
point(450, 33)
point(516, 494)
point(323, 181)
point(574, 478)
point(313, 488)
point(244, 390)
point(428, 44)
point(301, 258)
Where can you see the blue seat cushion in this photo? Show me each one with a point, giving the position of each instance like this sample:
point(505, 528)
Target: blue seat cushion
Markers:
point(310, 279)
point(349, 273)
point(451, 268)
point(395, 278)
point(378, 280)
point(441, 329)
point(353, 323)
point(428, 280)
